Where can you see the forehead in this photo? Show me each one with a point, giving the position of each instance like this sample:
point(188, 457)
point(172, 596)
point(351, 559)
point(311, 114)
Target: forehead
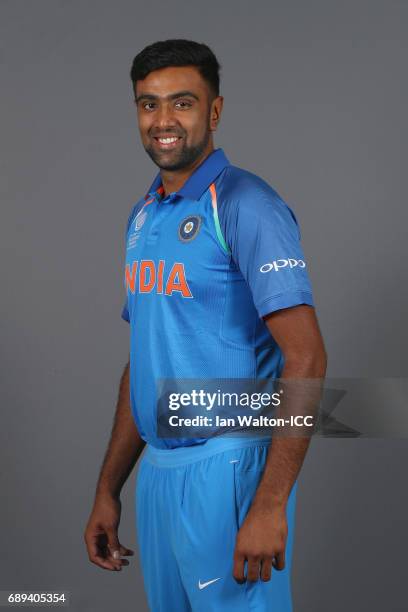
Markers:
point(168, 80)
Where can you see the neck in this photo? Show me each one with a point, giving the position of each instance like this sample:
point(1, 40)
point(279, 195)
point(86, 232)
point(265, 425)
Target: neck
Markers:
point(174, 180)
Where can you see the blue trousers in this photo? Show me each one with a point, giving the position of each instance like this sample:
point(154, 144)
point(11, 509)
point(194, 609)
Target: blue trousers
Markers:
point(190, 504)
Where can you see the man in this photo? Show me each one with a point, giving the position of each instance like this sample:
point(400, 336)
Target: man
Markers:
point(217, 287)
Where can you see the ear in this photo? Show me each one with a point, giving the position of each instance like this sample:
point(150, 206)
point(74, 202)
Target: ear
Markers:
point(216, 110)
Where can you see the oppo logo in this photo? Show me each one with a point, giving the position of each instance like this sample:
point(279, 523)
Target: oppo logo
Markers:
point(278, 264)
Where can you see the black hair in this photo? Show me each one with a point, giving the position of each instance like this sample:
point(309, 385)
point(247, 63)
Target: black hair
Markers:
point(177, 52)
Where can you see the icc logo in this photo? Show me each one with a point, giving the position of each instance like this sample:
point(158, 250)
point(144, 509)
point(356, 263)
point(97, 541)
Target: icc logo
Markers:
point(140, 219)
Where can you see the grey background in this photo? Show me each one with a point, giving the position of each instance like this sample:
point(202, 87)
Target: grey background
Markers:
point(315, 103)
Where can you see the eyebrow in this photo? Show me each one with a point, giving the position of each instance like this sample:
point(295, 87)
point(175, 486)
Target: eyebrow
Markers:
point(178, 94)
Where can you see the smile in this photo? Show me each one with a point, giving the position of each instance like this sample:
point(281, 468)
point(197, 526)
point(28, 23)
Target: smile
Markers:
point(167, 143)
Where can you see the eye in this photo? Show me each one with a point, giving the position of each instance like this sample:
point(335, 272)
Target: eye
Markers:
point(183, 104)
point(148, 106)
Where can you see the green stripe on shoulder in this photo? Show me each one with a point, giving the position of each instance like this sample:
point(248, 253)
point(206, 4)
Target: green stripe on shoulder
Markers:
point(218, 230)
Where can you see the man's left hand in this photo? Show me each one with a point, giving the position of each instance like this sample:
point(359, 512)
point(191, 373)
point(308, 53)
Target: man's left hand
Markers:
point(261, 542)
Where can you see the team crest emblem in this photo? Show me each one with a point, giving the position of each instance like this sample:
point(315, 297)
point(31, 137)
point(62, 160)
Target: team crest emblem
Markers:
point(189, 228)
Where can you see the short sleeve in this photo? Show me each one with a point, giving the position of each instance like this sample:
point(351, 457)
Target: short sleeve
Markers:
point(264, 239)
point(125, 308)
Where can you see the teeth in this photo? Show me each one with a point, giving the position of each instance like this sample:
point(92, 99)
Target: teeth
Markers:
point(167, 140)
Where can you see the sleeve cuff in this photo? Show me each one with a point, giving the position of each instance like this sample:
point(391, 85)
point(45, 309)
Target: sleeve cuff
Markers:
point(285, 300)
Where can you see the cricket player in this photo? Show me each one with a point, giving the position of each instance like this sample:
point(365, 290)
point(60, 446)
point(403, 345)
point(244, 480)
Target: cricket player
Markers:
point(217, 286)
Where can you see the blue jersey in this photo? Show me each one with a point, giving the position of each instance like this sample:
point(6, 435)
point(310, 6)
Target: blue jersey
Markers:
point(203, 266)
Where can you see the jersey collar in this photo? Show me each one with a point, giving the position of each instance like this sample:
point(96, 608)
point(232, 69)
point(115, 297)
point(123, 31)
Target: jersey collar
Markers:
point(199, 180)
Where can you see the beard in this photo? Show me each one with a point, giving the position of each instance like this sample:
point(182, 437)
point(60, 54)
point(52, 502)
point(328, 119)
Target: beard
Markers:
point(177, 160)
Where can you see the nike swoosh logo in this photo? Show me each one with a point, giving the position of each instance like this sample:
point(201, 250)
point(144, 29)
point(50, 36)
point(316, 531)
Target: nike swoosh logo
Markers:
point(202, 585)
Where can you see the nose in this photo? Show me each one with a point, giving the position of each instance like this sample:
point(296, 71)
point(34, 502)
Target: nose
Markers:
point(164, 117)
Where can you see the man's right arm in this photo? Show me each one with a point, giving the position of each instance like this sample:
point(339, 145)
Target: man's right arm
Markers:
point(125, 447)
